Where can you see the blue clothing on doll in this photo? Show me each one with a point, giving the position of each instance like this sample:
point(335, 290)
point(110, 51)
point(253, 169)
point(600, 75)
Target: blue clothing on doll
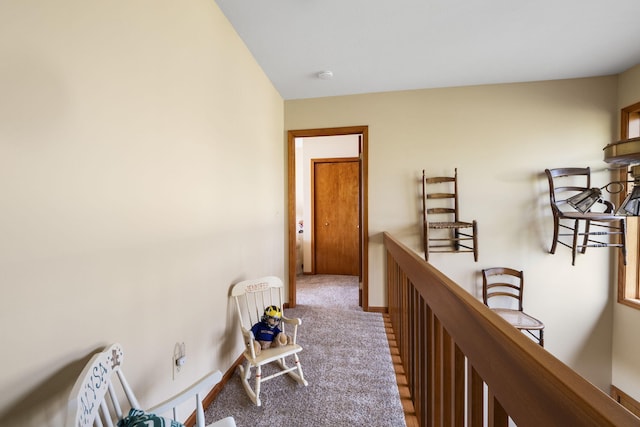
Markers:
point(263, 332)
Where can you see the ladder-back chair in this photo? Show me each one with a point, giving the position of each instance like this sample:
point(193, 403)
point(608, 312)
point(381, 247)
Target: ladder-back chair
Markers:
point(102, 397)
point(596, 228)
point(502, 292)
point(443, 230)
point(251, 298)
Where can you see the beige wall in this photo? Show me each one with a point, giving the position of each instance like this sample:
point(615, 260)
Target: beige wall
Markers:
point(501, 138)
point(141, 174)
point(626, 346)
point(142, 168)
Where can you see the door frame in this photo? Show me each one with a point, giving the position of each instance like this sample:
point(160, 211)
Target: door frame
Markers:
point(363, 190)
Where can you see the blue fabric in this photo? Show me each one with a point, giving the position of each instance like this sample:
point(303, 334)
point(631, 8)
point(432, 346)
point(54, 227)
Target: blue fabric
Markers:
point(263, 332)
point(138, 418)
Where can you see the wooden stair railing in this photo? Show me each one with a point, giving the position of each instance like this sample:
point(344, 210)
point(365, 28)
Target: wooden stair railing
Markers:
point(464, 362)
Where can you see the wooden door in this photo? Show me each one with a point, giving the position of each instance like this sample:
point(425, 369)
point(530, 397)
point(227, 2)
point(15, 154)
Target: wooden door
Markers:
point(336, 234)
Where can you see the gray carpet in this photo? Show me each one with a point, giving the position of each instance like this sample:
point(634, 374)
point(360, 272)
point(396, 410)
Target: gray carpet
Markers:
point(345, 359)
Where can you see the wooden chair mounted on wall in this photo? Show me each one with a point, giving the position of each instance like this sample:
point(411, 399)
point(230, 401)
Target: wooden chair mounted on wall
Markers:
point(443, 230)
point(507, 286)
point(597, 228)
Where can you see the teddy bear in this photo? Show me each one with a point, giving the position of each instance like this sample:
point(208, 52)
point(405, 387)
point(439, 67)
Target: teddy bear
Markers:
point(267, 333)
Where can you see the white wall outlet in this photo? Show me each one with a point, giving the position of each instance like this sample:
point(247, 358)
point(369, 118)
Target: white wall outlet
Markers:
point(179, 357)
point(180, 361)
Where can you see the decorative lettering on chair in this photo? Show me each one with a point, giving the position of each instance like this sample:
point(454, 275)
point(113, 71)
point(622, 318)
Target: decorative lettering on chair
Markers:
point(99, 378)
point(256, 287)
point(115, 357)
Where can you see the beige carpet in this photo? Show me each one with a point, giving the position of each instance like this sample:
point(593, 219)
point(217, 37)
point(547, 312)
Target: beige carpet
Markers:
point(345, 359)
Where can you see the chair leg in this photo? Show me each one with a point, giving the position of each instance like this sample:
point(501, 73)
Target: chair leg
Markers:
point(245, 374)
point(575, 243)
point(475, 241)
point(300, 374)
point(258, 381)
point(585, 241)
point(538, 337)
point(426, 242)
point(556, 232)
point(623, 240)
point(456, 242)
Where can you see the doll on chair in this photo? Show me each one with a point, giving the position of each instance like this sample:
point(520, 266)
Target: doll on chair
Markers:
point(267, 332)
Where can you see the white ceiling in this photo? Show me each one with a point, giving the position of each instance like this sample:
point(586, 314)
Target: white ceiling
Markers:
point(377, 46)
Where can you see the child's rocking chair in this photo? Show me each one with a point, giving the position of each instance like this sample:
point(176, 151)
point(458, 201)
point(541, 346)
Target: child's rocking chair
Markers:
point(252, 297)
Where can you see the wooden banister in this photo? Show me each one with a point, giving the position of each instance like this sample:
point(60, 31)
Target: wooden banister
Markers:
point(452, 345)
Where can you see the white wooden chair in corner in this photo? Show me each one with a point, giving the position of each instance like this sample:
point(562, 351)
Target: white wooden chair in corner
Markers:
point(252, 297)
point(102, 397)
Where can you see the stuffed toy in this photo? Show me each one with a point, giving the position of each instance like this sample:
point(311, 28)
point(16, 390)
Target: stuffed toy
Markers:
point(267, 332)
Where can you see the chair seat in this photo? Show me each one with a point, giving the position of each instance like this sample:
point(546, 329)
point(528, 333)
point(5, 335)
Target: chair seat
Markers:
point(592, 216)
point(272, 354)
point(442, 224)
point(519, 319)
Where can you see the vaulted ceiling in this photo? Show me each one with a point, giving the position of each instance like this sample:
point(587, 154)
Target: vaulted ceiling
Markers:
point(378, 46)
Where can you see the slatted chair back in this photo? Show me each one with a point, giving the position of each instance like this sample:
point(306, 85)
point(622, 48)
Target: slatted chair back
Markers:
point(101, 392)
point(501, 284)
point(102, 396)
point(565, 183)
point(253, 296)
point(447, 201)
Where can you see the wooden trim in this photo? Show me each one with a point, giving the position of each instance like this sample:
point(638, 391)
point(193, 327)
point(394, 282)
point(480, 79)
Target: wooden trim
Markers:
point(312, 214)
point(291, 222)
point(364, 154)
point(215, 391)
point(497, 415)
point(526, 383)
point(633, 303)
point(403, 389)
point(475, 407)
point(625, 400)
point(624, 119)
point(364, 194)
point(628, 284)
point(458, 387)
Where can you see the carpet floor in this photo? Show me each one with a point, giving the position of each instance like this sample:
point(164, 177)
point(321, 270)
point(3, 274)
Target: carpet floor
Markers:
point(346, 361)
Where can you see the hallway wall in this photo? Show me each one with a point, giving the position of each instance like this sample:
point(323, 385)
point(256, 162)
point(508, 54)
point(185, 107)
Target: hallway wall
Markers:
point(142, 174)
point(501, 138)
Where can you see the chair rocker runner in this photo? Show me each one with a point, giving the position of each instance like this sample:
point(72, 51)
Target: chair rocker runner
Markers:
point(101, 396)
point(610, 230)
point(443, 230)
point(504, 285)
point(251, 298)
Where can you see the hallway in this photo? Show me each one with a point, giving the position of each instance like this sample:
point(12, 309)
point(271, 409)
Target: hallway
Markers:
point(348, 371)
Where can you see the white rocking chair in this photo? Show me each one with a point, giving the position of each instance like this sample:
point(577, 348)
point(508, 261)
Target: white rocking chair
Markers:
point(252, 296)
point(101, 393)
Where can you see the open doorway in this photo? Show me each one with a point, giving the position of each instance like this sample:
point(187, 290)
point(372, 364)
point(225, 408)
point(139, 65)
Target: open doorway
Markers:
point(294, 217)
